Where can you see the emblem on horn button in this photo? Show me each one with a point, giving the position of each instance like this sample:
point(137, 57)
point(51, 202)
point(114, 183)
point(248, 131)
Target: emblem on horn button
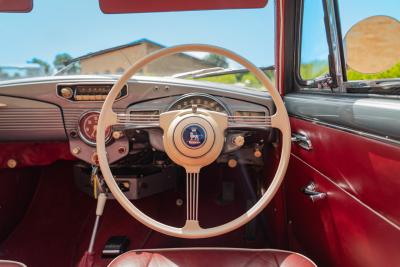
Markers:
point(194, 136)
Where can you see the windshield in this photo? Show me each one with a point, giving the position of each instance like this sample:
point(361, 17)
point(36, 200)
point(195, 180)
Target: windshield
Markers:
point(75, 37)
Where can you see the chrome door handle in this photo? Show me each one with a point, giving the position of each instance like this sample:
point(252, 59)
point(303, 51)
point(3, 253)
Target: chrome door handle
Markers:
point(302, 140)
point(310, 190)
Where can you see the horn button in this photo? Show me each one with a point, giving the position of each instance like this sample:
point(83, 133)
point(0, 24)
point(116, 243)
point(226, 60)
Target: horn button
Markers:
point(194, 136)
point(193, 139)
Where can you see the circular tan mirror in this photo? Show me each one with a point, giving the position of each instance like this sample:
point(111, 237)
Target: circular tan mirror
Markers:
point(373, 44)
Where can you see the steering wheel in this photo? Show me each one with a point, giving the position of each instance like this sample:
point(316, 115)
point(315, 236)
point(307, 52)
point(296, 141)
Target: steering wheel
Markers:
point(193, 138)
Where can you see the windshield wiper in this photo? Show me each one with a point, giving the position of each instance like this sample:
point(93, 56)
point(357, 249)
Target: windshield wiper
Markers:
point(66, 69)
point(217, 72)
point(188, 74)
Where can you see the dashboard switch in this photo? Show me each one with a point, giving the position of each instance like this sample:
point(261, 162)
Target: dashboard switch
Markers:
point(11, 163)
point(232, 163)
point(67, 92)
point(238, 140)
point(117, 135)
point(257, 153)
point(76, 150)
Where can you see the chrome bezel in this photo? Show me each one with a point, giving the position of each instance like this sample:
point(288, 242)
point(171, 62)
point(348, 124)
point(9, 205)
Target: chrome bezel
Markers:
point(81, 135)
point(184, 141)
point(226, 109)
point(71, 84)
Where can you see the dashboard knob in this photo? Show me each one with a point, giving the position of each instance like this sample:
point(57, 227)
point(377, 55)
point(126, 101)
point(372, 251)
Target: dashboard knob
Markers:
point(232, 163)
point(257, 153)
point(76, 150)
point(11, 163)
point(238, 140)
point(67, 92)
point(117, 135)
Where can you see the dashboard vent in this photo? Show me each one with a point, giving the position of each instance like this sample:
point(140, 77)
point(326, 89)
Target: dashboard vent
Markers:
point(87, 92)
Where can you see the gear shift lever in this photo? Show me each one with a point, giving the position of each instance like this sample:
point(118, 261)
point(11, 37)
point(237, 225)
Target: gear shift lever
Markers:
point(101, 202)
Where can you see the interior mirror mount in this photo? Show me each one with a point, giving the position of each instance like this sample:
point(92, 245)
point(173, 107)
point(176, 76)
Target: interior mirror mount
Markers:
point(16, 6)
point(372, 45)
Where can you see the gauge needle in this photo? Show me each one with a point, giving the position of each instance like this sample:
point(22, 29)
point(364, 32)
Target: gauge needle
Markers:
point(94, 131)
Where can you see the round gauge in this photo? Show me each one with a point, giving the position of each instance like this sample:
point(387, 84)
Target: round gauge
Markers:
point(88, 127)
point(202, 101)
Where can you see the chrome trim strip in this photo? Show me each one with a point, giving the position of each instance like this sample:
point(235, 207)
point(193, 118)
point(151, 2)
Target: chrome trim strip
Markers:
point(334, 39)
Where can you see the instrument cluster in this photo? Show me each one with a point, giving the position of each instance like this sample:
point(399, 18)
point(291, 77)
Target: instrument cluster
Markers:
point(201, 101)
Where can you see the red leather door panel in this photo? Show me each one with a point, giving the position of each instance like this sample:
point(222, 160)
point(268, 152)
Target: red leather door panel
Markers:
point(358, 224)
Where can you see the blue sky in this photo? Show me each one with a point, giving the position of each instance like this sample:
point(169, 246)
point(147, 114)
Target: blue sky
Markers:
point(79, 27)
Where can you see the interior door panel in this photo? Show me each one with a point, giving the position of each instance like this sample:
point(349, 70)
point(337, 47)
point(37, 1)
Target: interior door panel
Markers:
point(358, 223)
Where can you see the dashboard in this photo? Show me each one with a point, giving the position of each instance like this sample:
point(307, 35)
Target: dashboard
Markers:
point(67, 109)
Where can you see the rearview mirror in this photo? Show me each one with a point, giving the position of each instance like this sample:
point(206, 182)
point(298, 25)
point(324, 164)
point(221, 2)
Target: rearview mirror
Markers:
point(18, 6)
point(139, 6)
point(372, 45)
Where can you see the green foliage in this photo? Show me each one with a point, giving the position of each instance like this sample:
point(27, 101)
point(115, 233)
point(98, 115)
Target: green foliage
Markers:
point(3, 75)
point(217, 60)
point(246, 79)
point(227, 79)
point(46, 66)
point(313, 69)
point(61, 60)
point(393, 72)
point(316, 68)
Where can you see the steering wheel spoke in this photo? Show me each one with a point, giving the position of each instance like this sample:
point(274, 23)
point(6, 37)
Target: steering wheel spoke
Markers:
point(192, 196)
point(137, 121)
point(279, 121)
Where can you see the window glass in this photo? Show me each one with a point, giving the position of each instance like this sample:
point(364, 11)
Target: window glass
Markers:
point(371, 36)
point(314, 46)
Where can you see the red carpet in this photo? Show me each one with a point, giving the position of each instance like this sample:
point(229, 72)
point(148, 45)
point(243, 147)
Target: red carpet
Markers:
point(56, 229)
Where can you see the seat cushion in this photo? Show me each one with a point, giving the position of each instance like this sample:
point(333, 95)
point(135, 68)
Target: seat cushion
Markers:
point(210, 257)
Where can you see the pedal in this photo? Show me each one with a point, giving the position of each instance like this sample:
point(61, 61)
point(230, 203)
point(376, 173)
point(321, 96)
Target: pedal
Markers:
point(115, 245)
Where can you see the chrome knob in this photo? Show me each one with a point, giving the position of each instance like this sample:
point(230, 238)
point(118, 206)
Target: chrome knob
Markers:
point(67, 92)
point(238, 140)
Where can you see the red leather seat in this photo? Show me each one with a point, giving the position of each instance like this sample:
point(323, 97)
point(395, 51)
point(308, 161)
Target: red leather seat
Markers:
point(7, 263)
point(210, 257)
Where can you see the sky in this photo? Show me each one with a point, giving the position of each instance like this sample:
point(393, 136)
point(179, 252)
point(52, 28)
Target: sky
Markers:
point(78, 27)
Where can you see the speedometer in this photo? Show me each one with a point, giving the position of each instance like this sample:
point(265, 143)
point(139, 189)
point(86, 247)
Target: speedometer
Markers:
point(201, 101)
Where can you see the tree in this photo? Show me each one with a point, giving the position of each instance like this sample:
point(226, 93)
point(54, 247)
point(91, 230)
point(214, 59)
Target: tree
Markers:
point(3, 75)
point(62, 60)
point(217, 60)
point(43, 64)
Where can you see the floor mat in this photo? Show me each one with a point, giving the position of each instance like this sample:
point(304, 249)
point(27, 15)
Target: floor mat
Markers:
point(57, 227)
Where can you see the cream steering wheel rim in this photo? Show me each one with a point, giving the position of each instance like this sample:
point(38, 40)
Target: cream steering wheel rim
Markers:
point(279, 120)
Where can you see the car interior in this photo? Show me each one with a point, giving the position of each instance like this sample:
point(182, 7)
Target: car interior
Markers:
point(195, 153)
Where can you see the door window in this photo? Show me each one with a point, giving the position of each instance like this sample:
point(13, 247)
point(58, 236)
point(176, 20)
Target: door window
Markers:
point(314, 47)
